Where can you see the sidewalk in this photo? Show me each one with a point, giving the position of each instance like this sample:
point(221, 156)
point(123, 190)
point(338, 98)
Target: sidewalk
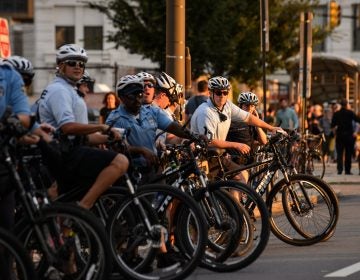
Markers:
point(333, 178)
point(343, 185)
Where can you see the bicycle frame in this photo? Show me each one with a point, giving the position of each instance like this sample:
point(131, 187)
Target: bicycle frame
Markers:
point(271, 165)
point(179, 175)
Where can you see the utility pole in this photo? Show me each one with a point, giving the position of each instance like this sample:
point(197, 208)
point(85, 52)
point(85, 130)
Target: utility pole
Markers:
point(264, 27)
point(305, 62)
point(175, 40)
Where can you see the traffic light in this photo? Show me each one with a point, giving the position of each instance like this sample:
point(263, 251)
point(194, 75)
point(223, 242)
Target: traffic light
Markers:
point(335, 14)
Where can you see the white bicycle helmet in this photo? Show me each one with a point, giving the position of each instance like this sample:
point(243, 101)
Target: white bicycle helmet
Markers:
point(144, 76)
point(219, 83)
point(71, 51)
point(21, 64)
point(168, 85)
point(129, 84)
point(248, 98)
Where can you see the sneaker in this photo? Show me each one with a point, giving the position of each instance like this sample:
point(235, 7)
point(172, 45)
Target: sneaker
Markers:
point(169, 258)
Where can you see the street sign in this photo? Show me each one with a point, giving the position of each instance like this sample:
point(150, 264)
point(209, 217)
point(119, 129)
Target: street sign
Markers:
point(5, 50)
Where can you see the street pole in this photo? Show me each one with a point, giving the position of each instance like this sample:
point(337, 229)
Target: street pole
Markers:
point(305, 63)
point(264, 26)
point(175, 40)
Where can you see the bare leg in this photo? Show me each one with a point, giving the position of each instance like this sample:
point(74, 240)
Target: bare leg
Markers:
point(105, 179)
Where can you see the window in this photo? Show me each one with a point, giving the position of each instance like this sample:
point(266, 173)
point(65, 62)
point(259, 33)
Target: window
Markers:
point(17, 9)
point(18, 42)
point(356, 28)
point(14, 6)
point(64, 35)
point(320, 22)
point(93, 37)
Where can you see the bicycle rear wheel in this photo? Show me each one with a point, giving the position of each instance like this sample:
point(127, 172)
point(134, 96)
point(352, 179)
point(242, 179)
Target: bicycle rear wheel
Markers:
point(14, 260)
point(223, 235)
point(68, 241)
point(316, 164)
point(254, 231)
point(304, 212)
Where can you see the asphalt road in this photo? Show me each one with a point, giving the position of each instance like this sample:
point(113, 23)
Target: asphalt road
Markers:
point(337, 258)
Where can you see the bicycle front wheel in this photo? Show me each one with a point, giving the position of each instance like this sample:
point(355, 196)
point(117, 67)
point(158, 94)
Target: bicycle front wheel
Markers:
point(303, 211)
point(15, 262)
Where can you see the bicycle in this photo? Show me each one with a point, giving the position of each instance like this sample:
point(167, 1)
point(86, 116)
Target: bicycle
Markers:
point(137, 230)
point(303, 208)
point(307, 156)
point(14, 259)
point(182, 170)
point(53, 233)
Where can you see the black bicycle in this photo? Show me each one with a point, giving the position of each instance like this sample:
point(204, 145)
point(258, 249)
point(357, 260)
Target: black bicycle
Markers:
point(303, 208)
point(146, 243)
point(15, 262)
point(62, 239)
point(232, 242)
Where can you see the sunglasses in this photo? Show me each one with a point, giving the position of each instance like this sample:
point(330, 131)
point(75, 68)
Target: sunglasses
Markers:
point(75, 63)
point(149, 85)
point(221, 92)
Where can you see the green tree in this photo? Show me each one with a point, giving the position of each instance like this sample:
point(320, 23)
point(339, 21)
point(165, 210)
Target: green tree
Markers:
point(223, 36)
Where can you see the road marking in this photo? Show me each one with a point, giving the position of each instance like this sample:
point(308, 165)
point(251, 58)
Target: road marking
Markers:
point(346, 271)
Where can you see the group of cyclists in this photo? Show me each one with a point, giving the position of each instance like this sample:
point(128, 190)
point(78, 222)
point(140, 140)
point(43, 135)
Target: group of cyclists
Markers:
point(147, 108)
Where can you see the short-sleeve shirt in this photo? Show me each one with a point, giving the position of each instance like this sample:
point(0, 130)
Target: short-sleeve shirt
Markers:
point(287, 118)
point(207, 117)
point(60, 104)
point(142, 127)
point(194, 102)
point(12, 91)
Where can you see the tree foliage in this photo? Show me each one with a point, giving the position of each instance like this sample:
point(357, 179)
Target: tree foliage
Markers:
point(223, 36)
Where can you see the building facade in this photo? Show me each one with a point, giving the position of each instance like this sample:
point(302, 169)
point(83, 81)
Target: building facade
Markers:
point(335, 62)
point(39, 27)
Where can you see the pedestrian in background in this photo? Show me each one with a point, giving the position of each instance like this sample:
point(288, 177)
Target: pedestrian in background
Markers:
point(194, 101)
point(111, 102)
point(286, 117)
point(342, 123)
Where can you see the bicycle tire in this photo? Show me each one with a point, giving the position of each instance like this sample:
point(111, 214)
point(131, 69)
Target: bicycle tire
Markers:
point(313, 223)
point(152, 194)
point(222, 239)
point(258, 212)
point(21, 266)
point(316, 158)
point(87, 242)
point(305, 163)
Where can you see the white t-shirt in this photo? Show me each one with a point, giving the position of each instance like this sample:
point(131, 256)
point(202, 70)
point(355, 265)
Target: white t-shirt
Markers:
point(207, 117)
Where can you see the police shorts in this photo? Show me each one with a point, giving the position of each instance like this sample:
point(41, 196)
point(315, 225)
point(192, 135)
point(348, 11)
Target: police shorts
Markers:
point(82, 166)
